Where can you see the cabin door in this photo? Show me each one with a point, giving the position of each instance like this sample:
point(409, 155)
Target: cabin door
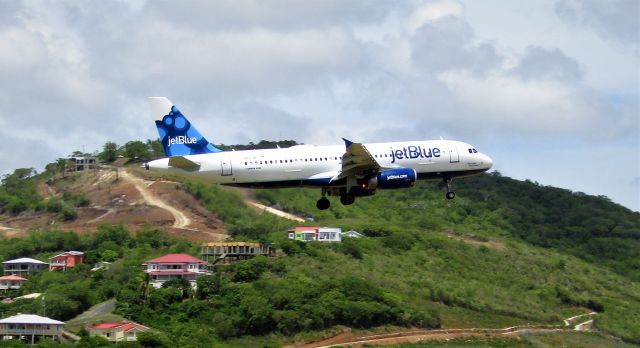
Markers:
point(454, 156)
point(226, 166)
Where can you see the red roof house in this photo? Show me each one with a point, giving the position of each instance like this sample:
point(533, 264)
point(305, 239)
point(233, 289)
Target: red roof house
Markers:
point(175, 266)
point(66, 260)
point(117, 332)
point(11, 282)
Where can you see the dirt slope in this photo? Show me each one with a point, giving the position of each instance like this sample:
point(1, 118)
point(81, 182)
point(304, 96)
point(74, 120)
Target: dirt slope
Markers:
point(119, 196)
point(347, 338)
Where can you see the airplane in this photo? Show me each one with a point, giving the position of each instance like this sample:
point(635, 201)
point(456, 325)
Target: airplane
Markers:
point(347, 171)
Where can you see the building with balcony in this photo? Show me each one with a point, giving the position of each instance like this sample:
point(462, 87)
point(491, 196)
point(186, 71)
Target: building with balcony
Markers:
point(24, 267)
point(30, 328)
point(174, 267)
point(117, 332)
point(312, 233)
point(227, 252)
point(11, 282)
point(82, 163)
point(66, 260)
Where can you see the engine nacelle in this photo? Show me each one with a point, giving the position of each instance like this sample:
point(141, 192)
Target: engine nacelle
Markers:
point(393, 179)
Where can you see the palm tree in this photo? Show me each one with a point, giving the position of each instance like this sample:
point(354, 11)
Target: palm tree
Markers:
point(61, 165)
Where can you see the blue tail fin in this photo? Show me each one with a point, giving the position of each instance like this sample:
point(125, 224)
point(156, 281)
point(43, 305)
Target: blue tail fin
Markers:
point(178, 136)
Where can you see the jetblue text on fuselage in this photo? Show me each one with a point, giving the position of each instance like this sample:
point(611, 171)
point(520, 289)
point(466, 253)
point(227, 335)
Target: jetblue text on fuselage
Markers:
point(181, 140)
point(412, 152)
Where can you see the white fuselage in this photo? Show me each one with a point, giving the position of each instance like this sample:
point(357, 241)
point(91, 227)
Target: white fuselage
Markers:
point(309, 165)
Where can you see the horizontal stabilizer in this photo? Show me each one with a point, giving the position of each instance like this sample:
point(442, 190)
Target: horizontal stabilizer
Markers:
point(183, 163)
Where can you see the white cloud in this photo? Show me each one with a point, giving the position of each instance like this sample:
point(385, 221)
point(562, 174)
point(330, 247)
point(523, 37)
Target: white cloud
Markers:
point(432, 11)
point(77, 73)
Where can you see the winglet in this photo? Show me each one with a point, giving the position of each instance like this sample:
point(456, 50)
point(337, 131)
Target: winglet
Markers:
point(347, 142)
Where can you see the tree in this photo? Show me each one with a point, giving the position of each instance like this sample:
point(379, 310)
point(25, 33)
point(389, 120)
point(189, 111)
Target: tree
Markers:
point(109, 151)
point(61, 164)
point(136, 150)
point(155, 148)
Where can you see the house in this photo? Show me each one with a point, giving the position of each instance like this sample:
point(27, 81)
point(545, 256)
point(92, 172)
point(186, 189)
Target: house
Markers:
point(11, 282)
point(175, 266)
point(352, 234)
point(24, 267)
point(81, 163)
point(228, 252)
point(100, 265)
point(66, 260)
point(117, 332)
point(30, 328)
point(320, 234)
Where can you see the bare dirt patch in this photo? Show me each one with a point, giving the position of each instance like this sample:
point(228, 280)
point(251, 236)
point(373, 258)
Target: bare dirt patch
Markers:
point(118, 196)
point(491, 244)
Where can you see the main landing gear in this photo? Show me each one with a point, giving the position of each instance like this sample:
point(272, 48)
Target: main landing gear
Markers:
point(450, 194)
point(346, 198)
point(323, 203)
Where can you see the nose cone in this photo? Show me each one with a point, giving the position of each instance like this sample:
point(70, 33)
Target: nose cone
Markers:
point(488, 163)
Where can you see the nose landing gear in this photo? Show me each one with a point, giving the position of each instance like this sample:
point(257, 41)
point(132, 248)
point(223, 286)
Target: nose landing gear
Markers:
point(450, 194)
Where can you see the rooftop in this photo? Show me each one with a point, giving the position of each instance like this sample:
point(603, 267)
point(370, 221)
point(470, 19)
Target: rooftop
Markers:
point(214, 244)
point(172, 272)
point(25, 260)
point(68, 253)
point(124, 326)
point(30, 319)
point(176, 258)
point(12, 277)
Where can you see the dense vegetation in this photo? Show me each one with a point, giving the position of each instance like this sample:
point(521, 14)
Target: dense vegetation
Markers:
point(19, 193)
point(588, 227)
point(503, 253)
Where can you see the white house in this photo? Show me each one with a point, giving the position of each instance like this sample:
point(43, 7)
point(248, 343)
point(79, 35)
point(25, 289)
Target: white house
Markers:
point(175, 266)
point(24, 267)
point(30, 328)
point(312, 233)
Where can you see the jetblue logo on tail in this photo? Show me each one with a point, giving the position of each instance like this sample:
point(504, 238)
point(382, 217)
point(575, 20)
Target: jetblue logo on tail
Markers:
point(413, 152)
point(181, 140)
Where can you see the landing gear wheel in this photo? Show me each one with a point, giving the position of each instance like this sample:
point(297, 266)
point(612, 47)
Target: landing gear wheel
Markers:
point(347, 199)
point(450, 194)
point(323, 203)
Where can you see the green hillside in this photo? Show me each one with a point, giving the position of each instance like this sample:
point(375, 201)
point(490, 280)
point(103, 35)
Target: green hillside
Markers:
point(503, 253)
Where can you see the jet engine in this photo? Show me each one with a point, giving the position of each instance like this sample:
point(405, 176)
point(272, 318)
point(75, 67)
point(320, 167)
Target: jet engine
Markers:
point(393, 179)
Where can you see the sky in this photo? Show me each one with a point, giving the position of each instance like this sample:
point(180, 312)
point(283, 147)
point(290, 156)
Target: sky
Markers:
point(550, 89)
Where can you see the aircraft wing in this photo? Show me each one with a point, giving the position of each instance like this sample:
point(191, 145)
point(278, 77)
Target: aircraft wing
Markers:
point(357, 160)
